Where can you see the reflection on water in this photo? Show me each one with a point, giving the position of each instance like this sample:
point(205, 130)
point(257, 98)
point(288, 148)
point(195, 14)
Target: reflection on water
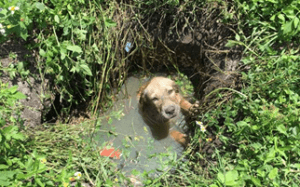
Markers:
point(140, 151)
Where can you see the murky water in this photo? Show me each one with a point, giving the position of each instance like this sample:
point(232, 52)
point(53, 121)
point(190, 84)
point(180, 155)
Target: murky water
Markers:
point(129, 133)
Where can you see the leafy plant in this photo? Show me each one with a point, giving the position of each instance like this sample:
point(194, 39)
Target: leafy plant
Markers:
point(19, 166)
point(78, 48)
point(262, 120)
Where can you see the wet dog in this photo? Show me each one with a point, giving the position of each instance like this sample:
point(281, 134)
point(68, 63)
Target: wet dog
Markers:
point(159, 103)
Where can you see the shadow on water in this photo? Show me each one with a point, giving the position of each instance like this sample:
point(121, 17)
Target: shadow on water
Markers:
point(128, 133)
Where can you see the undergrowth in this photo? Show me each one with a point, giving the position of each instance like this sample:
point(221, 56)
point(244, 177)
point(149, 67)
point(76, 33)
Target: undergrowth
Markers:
point(81, 46)
point(260, 126)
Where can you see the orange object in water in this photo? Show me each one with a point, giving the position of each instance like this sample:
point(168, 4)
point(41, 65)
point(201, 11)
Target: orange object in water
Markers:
point(111, 153)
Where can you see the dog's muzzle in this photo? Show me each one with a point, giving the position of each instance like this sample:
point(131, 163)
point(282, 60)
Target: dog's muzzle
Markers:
point(170, 111)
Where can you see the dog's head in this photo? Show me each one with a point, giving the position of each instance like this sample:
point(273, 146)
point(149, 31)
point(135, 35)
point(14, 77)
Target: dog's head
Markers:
point(159, 100)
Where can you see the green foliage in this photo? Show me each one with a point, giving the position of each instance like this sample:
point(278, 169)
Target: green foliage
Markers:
point(273, 16)
point(9, 135)
point(18, 165)
point(266, 139)
point(267, 22)
point(259, 127)
point(72, 42)
point(73, 53)
point(262, 149)
point(15, 69)
point(62, 45)
point(9, 109)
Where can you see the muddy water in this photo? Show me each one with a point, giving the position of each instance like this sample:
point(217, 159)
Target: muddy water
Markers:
point(124, 129)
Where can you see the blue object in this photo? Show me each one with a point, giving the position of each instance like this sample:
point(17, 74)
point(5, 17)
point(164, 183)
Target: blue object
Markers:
point(128, 46)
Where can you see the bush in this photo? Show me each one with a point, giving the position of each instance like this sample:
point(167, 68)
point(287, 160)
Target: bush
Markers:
point(261, 125)
point(258, 126)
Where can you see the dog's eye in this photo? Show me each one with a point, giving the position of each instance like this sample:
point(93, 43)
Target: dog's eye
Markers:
point(170, 92)
point(154, 99)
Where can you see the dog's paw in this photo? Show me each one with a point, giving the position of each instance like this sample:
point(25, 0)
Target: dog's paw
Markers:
point(180, 138)
point(194, 109)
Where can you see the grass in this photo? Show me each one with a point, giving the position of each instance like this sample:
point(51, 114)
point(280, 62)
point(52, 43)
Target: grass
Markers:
point(254, 130)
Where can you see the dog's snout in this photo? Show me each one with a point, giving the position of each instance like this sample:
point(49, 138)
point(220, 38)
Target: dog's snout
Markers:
point(170, 110)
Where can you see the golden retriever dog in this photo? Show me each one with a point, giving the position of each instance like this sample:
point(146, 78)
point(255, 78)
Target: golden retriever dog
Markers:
point(159, 104)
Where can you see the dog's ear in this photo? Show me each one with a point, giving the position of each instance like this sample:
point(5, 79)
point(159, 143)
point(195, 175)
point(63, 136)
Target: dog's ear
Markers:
point(142, 92)
point(175, 87)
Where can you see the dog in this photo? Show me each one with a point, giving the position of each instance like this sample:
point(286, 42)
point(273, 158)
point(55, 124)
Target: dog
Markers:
point(160, 103)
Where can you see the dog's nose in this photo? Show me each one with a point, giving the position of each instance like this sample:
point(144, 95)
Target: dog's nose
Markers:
point(170, 110)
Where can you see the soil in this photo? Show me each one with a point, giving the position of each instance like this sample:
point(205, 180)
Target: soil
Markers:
point(32, 86)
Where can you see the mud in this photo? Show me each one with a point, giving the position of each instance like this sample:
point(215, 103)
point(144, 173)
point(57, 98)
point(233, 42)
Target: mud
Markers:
point(33, 86)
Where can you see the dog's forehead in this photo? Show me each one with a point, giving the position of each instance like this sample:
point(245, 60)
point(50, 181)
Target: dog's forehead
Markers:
point(161, 82)
point(158, 86)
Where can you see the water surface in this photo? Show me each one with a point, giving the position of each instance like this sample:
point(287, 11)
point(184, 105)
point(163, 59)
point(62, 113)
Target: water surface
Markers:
point(140, 150)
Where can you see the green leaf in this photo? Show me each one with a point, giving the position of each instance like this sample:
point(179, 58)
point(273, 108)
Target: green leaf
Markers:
point(74, 69)
point(4, 12)
point(109, 23)
point(242, 124)
point(255, 181)
point(63, 174)
point(289, 12)
point(21, 164)
point(56, 18)
point(29, 163)
point(282, 153)
point(174, 2)
point(229, 179)
point(81, 34)
point(221, 177)
point(7, 146)
point(39, 182)
point(297, 166)
point(63, 52)
point(70, 8)
point(27, 175)
point(18, 136)
point(296, 22)
point(2, 166)
point(86, 69)
point(42, 53)
point(95, 48)
point(50, 183)
point(4, 183)
point(62, 55)
point(8, 130)
point(6, 176)
point(237, 37)
point(74, 48)
point(19, 95)
point(281, 128)
point(270, 155)
point(231, 43)
point(40, 6)
point(13, 89)
point(287, 27)
point(254, 127)
point(21, 176)
point(273, 174)
point(281, 17)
